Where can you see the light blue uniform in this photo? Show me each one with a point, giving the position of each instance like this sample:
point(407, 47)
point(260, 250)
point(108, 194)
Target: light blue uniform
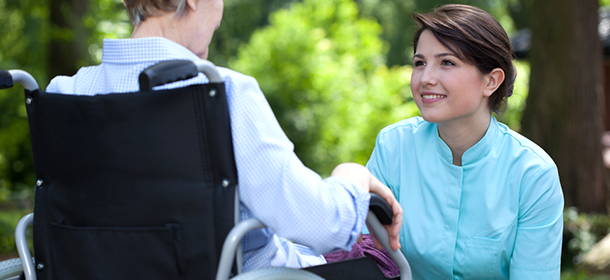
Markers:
point(498, 216)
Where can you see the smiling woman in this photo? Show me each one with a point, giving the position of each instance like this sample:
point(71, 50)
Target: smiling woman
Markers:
point(449, 90)
point(480, 201)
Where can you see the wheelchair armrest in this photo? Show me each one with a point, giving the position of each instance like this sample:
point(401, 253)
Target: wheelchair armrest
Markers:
point(176, 70)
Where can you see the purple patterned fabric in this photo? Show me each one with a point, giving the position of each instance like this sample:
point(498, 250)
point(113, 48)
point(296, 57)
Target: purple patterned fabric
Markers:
point(367, 248)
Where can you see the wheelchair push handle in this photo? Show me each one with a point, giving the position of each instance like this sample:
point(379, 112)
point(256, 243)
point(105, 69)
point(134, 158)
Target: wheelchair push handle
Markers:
point(176, 70)
point(381, 208)
point(9, 77)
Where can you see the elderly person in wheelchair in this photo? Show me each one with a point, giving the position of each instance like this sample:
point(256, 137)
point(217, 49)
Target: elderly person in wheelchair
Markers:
point(142, 184)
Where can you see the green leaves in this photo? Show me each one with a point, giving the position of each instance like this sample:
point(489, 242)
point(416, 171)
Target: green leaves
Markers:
point(21, 47)
point(322, 69)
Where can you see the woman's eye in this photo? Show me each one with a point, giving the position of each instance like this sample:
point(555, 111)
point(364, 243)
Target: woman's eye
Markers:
point(418, 63)
point(447, 62)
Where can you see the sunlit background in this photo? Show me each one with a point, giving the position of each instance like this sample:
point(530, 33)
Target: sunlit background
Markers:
point(334, 71)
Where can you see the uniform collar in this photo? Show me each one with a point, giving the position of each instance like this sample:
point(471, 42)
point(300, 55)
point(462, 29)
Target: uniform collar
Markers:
point(475, 153)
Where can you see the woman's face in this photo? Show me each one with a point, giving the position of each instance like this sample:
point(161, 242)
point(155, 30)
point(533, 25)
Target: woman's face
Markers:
point(446, 89)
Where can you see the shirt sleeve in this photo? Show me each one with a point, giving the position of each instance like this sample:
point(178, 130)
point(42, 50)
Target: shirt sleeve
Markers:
point(61, 84)
point(289, 198)
point(537, 251)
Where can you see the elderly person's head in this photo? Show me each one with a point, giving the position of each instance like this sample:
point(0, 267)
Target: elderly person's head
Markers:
point(190, 23)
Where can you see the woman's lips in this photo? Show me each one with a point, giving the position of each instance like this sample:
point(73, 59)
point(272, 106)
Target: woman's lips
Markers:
point(432, 97)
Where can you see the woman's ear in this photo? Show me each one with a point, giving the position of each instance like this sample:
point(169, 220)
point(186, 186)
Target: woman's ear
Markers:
point(192, 4)
point(493, 80)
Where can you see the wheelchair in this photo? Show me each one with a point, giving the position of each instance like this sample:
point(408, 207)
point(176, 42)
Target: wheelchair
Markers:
point(143, 185)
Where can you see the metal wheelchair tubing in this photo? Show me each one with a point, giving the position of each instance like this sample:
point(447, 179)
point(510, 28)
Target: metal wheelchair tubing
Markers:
point(230, 246)
point(237, 216)
point(24, 78)
point(401, 261)
point(209, 70)
point(23, 248)
point(233, 240)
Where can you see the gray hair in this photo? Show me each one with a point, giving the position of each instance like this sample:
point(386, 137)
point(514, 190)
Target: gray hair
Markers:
point(139, 10)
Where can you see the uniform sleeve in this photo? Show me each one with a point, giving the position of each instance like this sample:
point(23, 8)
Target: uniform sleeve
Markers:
point(379, 166)
point(537, 253)
point(289, 198)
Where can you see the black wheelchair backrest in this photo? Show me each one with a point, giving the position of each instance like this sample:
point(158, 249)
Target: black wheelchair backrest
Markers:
point(141, 185)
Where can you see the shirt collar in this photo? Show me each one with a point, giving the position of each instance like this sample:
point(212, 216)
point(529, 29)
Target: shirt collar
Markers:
point(143, 50)
point(475, 153)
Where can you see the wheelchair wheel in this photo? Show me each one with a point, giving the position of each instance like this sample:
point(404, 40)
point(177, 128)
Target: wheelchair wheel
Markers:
point(10, 269)
point(277, 273)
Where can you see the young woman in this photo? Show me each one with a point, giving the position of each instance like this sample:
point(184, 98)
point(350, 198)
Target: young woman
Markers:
point(480, 201)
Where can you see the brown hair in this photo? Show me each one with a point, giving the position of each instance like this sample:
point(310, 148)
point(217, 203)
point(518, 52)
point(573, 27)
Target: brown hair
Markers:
point(139, 10)
point(476, 38)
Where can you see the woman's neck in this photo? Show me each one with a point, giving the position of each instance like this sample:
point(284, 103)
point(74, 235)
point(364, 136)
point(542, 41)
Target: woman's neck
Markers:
point(460, 135)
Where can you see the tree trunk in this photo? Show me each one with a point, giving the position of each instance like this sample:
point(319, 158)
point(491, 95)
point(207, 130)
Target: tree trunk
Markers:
point(564, 111)
point(67, 42)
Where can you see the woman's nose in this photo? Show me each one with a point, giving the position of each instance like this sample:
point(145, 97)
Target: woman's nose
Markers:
point(428, 76)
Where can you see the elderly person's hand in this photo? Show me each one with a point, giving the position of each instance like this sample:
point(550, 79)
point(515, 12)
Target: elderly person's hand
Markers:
point(371, 184)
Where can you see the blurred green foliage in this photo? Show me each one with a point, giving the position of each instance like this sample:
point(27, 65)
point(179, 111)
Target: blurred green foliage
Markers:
point(322, 68)
point(8, 222)
point(241, 19)
point(21, 46)
point(516, 102)
point(582, 275)
point(581, 232)
point(395, 17)
point(106, 19)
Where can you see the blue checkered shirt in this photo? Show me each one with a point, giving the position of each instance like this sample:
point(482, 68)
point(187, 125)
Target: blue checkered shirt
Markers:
point(275, 187)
